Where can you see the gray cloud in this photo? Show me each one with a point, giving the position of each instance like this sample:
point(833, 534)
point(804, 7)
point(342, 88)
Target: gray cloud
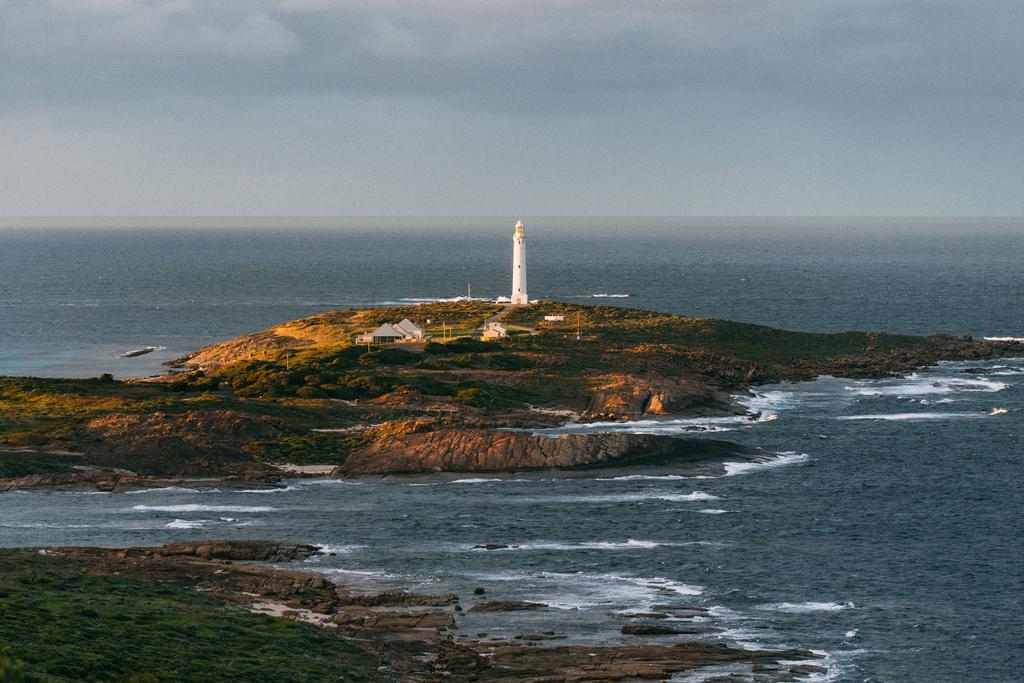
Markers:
point(405, 106)
point(534, 50)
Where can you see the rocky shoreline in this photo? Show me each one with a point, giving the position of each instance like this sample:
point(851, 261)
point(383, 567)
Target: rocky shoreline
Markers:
point(418, 637)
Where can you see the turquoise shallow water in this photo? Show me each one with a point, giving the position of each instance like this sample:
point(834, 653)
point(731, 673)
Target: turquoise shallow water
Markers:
point(887, 533)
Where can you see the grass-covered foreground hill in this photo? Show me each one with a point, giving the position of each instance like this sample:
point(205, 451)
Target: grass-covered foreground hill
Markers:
point(65, 619)
point(213, 611)
point(305, 393)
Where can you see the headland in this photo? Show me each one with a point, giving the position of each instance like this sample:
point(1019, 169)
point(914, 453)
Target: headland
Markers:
point(307, 398)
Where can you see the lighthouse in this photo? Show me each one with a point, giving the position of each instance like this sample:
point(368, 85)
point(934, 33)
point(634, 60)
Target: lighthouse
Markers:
point(519, 265)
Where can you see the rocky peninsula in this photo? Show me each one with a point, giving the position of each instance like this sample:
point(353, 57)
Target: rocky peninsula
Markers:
point(217, 611)
point(304, 398)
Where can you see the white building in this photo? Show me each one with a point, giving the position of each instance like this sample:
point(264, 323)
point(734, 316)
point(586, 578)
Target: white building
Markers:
point(409, 328)
point(519, 265)
point(494, 331)
point(404, 331)
point(554, 318)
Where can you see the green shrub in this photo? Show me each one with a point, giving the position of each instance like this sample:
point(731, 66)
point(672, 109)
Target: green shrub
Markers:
point(461, 345)
point(389, 356)
point(510, 361)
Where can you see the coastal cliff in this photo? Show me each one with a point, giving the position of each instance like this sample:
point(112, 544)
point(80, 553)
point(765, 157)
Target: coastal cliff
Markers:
point(304, 395)
point(483, 450)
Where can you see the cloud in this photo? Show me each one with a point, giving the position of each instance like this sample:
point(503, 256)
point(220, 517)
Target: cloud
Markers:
point(537, 53)
point(536, 106)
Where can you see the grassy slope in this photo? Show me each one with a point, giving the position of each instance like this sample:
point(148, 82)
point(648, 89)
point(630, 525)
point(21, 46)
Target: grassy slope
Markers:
point(78, 627)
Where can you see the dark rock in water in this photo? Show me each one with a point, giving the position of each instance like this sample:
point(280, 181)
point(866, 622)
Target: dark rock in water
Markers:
point(479, 590)
point(807, 669)
point(650, 630)
point(506, 606)
point(974, 371)
point(490, 546)
point(539, 636)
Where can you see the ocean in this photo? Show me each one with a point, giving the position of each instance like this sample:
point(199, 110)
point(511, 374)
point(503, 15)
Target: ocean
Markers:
point(886, 533)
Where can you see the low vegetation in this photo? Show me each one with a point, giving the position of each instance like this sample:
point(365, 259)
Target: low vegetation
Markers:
point(60, 622)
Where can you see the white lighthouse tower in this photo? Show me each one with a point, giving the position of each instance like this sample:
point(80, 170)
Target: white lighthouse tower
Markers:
point(519, 265)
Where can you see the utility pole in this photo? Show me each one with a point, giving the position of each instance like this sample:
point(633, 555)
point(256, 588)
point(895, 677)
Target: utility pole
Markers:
point(579, 326)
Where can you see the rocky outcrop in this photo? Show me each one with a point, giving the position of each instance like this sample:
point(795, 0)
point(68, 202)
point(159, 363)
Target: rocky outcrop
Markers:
point(175, 443)
point(629, 396)
point(485, 450)
point(506, 606)
point(235, 550)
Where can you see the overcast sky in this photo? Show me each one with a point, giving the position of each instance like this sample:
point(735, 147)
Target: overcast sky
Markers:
point(483, 107)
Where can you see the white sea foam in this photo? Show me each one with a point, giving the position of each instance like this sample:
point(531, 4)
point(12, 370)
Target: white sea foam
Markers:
point(165, 489)
point(186, 524)
point(669, 426)
point(712, 511)
point(327, 481)
point(630, 544)
point(435, 299)
point(329, 549)
point(899, 417)
point(43, 525)
point(768, 401)
point(637, 497)
point(638, 477)
point(474, 480)
point(570, 591)
point(806, 607)
point(278, 489)
point(918, 385)
point(202, 508)
point(783, 459)
point(603, 590)
point(1004, 339)
point(610, 296)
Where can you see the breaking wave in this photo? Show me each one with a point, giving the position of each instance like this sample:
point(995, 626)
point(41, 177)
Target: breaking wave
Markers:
point(783, 459)
point(202, 508)
point(186, 524)
point(916, 385)
point(806, 607)
point(168, 489)
point(277, 489)
point(630, 544)
point(668, 426)
point(326, 549)
point(896, 417)
point(625, 497)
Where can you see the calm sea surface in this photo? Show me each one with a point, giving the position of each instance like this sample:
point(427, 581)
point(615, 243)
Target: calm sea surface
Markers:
point(887, 534)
